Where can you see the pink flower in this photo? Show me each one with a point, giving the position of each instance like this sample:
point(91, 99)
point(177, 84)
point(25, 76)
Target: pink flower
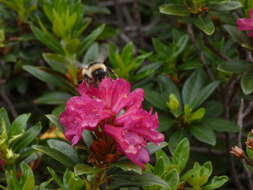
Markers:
point(112, 107)
point(246, 24)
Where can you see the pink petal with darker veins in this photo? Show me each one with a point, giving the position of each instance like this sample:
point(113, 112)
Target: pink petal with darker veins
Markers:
point(131, 144)
point(87, 89)
point(82, 112)
point(114, 93)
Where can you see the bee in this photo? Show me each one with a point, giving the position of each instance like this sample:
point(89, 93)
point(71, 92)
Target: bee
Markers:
point(95, 72)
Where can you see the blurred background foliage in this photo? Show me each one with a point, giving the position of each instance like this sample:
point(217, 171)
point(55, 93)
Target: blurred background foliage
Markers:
point(193, 63)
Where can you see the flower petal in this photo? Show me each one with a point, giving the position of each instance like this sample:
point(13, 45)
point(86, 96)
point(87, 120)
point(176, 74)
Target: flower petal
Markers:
point(131, 144)
point(114, 93)
point(82, 112)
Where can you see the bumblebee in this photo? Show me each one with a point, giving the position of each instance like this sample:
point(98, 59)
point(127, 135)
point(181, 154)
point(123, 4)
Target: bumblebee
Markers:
point(95, 72)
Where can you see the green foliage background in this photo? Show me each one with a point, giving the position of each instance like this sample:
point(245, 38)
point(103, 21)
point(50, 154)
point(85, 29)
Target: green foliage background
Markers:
point(195, 66)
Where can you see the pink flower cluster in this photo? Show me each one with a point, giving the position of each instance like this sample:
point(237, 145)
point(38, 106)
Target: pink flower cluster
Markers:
point(118, 112)
point(246, 24)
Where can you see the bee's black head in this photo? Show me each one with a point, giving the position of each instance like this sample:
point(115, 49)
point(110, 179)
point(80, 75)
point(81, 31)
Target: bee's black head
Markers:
point(99, 74)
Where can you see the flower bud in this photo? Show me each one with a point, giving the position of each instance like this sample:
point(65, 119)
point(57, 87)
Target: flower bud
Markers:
point(237, 152)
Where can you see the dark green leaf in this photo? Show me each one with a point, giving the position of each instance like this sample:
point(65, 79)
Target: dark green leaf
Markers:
point(152, 148)
point(247, 82)
point(53, 98)
point(216, 182)
point(175, 138)
point(128, 166)
point(192, 87)
point(27, 138)
point(172, 178)
point(224, 6)
point(235, 66)
point(174, 9)
point(55, 154)
point(134, 180)
point(204, 94)
point(19, 125)
point(155, 99)
point(47, 39)
point(4, 116)
point(203, 134)
point(165, 122)
point(181, 154)
point(220, 125)
point(46, 76)
point(64, 148)
point(55, 121)
point(81, 169)
point(238, 36)
point(214, 109)
point(56, 62)
point(205, 24)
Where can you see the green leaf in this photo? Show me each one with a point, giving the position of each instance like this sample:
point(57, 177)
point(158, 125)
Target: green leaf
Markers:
point(127, 53)
point(174, 9)
point(81, 169)
point(55, 121)
point(48, 39)
point(172, 178)
point(181, 154)
point(203, 134)
point(56, 62)
point(46, 76)
point(87, 137)
point(224, 6)
point(204, 94)
point(152, 148)
point(64, 148)
point(205, 24)
point(53, 98)
point(27, 138)
point(19, 125)
point(180, 45)
point(155, 99)
point(128, 166)
point(235, 66)
point(55, 154)
point(214, 109)
point(134, 180)
point(220, 125)
point(192, 87)
point(238, 36)
point(5, 118)
point(216, 182)
point(165, 122)
point(167, 87)
point(71, 181)
point(55, 177)
point(88, 41)
point(176, 137)
point(27, 178)
point(247, 82)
